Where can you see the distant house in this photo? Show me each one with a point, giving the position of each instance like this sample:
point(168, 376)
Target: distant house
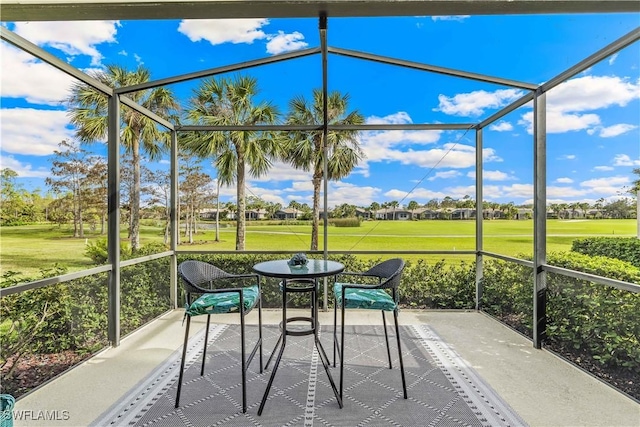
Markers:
point(255, 214)
point(463, 213)
point(425, 213)
point(390, 214)
point(288, 213)
point(524, 213)
point(491, 213)
point(211, 214)
point(362, 213)
point(595, 213)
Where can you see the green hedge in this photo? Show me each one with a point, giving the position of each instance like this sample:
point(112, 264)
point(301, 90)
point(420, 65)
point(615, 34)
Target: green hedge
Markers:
point(345, 222)
point(583, 317)
point(625, 249)
point(73, 315)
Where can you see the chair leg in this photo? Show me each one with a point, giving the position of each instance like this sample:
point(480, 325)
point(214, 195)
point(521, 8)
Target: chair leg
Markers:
point(243, 362)
point(335, 330)
point(404, 381)
point(184, 355)
point(260, 330)
point(342, 350)
point(386, 338)
point(206, 341)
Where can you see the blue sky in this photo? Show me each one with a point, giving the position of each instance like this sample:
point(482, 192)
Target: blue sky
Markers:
point(593, 119)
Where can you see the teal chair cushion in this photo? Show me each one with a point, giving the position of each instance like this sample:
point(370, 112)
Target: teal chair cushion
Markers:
point(373, 299)
point(223, 302)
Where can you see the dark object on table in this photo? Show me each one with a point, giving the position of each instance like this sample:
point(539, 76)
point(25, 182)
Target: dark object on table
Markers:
point(195, 275)
point(297, 260)
point(372, 297)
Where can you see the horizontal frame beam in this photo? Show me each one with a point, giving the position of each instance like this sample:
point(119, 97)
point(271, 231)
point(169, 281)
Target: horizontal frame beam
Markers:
point(150, 114)
point(618, 284)
point(431, 68)
point(624, 41)
point(218, 70)
point(364, 127)
point(27, 46)
point(66, 10)
point(53, 280)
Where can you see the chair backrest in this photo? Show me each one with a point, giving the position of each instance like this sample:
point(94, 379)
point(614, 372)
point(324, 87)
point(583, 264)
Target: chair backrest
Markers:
point(389, 272)
point(194, 274)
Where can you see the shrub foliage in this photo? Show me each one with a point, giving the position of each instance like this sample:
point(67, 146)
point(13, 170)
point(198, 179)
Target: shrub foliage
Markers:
point(625, 249)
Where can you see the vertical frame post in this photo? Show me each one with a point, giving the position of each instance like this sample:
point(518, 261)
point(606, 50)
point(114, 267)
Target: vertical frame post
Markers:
point(325, 131)
point(540, 219)
point(173, 219)
point(479, 219)
point(113, 206)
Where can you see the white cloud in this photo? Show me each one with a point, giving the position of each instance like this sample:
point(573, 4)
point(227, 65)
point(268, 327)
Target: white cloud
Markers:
point(445, 175)
point(379, 146)
point(492, 175)
point(606, 186)
point(555, 192)
point(564, 180)
point(73, 37)
point(401, 117)
point(267, 194)
point(568, 102)
point(421, 195)
point(558, 122)
point(342, 192)
point(590, 93)
point(625, 160)
point(281, 171)
point(603, 168)
point(501, 127)
point(219, 31)
point(458, 18)
point(517, 191)
point(283, 42)
point(33, 132)
point(567, 157)
point(613, 58)
point(24, 170)
point(24, 76)
point(615, 130)
point(296, 186)
point(611, 180)
point(440, 157)
point(475, 103)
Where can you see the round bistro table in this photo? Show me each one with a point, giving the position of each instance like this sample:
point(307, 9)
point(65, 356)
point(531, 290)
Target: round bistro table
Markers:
point(299, 279)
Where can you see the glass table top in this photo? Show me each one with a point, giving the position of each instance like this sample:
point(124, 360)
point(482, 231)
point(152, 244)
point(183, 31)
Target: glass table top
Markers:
point(314, 268)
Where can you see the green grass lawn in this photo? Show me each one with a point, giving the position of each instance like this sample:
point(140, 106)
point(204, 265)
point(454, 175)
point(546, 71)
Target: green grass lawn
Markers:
point(27, 249)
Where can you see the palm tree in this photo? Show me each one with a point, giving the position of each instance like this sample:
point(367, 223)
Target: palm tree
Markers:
point(394, 205)
point(227, 102)
point(305, 149)
point(89, 113)
point(374, 208)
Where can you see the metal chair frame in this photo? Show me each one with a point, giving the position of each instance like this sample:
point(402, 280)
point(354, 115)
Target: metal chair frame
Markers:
point(389, 274)
point(193, 275)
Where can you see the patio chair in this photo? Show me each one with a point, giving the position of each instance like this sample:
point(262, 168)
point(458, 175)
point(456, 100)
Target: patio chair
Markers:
point(195, 275)
point(371, 297)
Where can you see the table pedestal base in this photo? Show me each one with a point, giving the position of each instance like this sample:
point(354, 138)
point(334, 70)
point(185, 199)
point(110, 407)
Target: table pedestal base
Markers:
point(298, 286)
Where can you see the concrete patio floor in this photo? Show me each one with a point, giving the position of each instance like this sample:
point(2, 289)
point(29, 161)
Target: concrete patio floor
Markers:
point(542, 388)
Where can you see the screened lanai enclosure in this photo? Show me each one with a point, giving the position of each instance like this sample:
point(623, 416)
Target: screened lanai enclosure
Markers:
point(537, 269)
